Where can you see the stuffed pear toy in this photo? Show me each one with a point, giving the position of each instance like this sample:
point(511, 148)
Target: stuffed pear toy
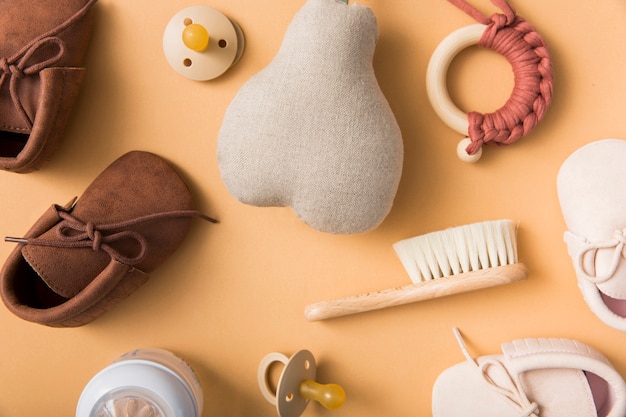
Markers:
point(312, 130)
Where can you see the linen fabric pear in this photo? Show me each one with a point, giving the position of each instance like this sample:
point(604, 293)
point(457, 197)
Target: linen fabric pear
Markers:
point(313, 130)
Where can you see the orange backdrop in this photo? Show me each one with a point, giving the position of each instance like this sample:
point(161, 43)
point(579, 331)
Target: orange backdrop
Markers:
point(236, 291)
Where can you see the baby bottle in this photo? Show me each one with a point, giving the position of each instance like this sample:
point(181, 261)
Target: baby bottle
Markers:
point(143, 383)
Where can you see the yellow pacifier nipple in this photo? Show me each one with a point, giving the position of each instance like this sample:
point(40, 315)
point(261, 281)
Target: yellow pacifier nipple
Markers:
point(196, 37)
point(331, 396)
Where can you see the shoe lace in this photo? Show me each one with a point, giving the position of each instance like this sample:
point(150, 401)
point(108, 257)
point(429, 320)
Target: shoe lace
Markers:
point(580, 248)
point(16, 67)
point(513, 392)
point(74, 233)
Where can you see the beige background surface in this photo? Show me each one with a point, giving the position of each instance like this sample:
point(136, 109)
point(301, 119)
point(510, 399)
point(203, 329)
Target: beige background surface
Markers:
point(237, 290)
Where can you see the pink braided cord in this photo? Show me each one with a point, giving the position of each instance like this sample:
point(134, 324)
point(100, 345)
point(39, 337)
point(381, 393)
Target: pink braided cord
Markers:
point(518, 41)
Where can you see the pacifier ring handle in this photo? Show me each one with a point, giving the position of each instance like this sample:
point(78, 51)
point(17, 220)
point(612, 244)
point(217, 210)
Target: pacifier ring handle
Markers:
point(263, 374)
point(511, 36)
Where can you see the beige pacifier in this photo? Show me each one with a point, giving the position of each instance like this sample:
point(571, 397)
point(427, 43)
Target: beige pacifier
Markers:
point(297, 385)
point(201, 43)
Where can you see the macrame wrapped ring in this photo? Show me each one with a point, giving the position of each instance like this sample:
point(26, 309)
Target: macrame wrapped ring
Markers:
point(526, 51)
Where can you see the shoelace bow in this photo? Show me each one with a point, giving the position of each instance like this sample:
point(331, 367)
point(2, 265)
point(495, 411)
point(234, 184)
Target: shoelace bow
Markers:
point(74, 233)
point(617, 244)
point(18, 66)
point(514, 393)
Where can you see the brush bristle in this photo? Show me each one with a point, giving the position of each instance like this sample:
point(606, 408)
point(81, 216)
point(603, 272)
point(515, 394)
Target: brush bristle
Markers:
point(458, 250)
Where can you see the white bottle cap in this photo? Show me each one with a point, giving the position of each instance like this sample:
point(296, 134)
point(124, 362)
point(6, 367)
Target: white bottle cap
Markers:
point(143, 382)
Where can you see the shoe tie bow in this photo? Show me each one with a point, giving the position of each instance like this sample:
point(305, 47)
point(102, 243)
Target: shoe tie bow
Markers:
point(580, 249)
point(72, 232)
point(18, 66)
point(513, 393)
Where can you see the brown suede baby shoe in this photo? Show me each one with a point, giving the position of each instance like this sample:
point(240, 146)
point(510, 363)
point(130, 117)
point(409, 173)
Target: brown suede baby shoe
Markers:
point(77, 261)
point(42, 45)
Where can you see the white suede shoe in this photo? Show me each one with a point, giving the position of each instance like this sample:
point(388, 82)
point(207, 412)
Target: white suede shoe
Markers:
point(592, 192)
point(532, 378)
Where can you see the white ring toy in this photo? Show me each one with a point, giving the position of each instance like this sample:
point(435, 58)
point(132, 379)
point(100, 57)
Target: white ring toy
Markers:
point(436, 85)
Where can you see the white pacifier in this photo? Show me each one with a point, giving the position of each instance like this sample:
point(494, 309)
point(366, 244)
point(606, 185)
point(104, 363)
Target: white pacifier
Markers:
point(201, 43)
point(297, 385)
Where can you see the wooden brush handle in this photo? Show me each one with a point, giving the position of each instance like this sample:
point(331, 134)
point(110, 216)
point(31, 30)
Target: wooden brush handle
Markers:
point(438, 287)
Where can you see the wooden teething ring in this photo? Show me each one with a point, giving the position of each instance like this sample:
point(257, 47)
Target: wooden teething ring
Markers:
point(519, 42)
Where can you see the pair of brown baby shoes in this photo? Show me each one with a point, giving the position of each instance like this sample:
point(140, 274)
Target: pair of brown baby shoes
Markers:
point(80, 259)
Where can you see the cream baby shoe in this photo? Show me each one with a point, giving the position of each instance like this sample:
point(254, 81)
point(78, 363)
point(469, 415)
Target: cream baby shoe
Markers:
point(592, 192)
point(531, 378)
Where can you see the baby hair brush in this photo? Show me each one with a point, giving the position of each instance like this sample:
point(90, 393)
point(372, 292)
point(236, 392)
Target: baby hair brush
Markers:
point(451, 261)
